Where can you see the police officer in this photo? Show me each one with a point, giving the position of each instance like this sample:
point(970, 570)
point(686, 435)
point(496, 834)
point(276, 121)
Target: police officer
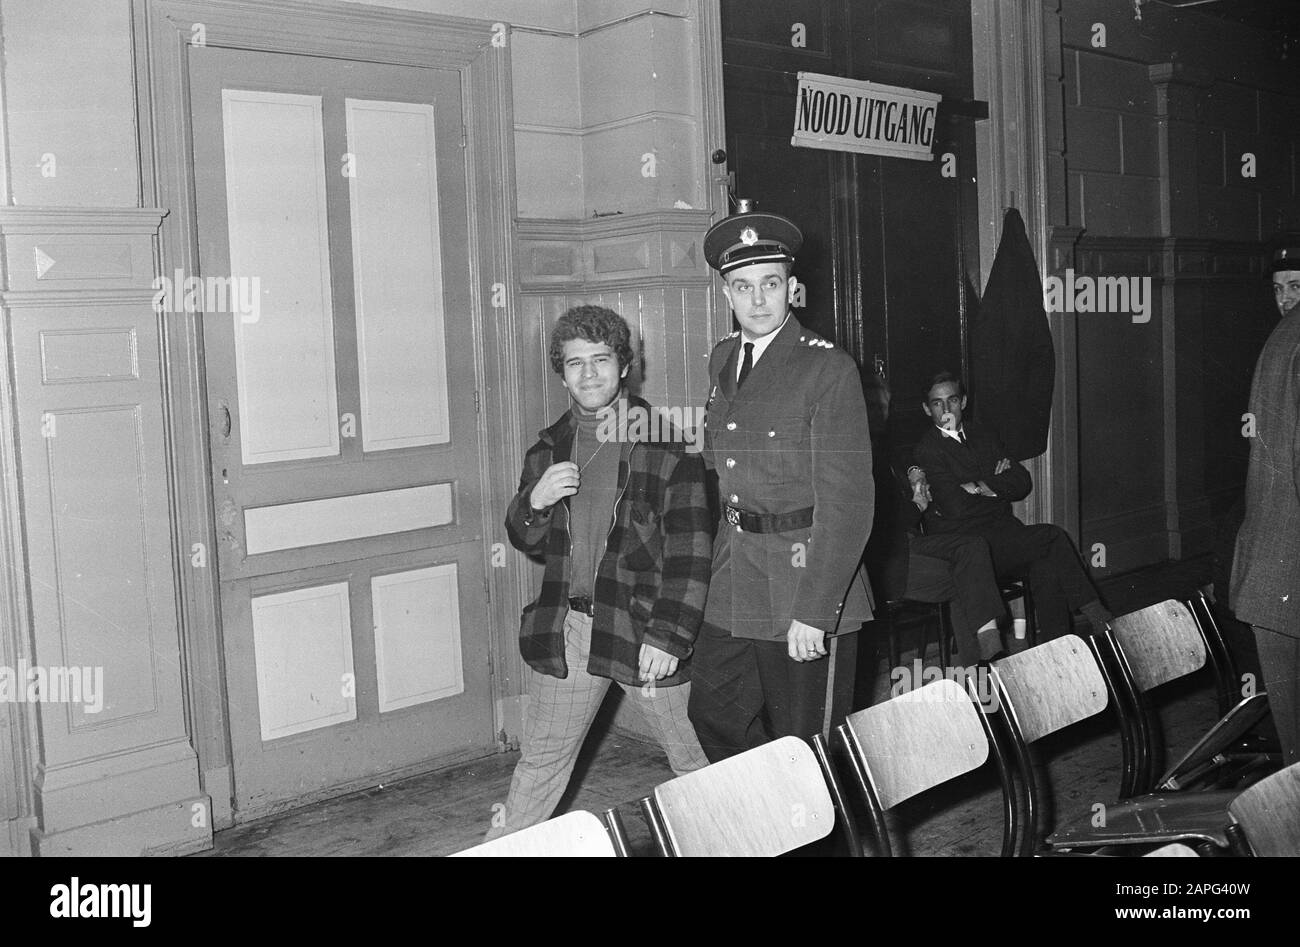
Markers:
point(786, 430)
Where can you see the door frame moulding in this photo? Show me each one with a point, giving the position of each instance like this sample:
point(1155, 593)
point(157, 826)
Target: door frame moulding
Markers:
point(162, 34)
point(1015, 69)
point(18, 732)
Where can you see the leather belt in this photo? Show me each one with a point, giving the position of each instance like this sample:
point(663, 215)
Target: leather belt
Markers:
point(767, 522)
point(582, 603)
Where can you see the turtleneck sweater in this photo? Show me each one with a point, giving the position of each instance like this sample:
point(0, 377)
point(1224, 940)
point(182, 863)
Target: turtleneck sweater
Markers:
point(591, 509)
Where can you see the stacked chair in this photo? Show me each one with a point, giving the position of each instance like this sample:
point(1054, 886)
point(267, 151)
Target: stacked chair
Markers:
point(915, 742)
point(572, 835)
point(1223, 796)
point(767, 801)
point(1063, 682)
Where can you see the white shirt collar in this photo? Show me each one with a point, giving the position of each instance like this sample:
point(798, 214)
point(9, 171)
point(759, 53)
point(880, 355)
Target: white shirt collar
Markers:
point(953, 434)
point(760, 345)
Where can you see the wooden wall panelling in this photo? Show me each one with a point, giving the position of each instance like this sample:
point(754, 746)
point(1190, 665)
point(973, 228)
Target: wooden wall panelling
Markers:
point(87, 348)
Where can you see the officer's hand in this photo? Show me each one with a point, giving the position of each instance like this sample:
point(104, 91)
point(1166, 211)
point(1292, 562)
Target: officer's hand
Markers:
point(1003, 465)
point(654, 664)
point(921, 495)
point(559, 481)
point(806, 643)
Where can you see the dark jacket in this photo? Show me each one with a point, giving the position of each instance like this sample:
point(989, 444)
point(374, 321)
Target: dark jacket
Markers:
point(795, 436)
point(651, 582)
point(948, 464)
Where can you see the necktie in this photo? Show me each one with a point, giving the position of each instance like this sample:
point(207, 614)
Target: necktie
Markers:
point(746, 365)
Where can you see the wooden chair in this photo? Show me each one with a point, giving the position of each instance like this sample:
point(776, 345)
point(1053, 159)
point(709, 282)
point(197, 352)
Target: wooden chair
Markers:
point(1060, 683)
point(1010, 590)
point(1269, 814)
point(901, 614)
point(1173, 850)
point(766, 801)
point(1042, 690)
point(573, 835)
point(1163, 643)
point(1218, 655)
point(916, 741)
point(1013, 589)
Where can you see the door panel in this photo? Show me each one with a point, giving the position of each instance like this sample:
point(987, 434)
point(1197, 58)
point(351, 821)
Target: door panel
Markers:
point(278, 232)
point(402, 354)
point(346, 445)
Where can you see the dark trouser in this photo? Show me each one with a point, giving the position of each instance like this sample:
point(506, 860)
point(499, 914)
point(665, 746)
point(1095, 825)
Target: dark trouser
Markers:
point(1044, 555)
point(735, 681)
point(1279, 662)
point(958, 569)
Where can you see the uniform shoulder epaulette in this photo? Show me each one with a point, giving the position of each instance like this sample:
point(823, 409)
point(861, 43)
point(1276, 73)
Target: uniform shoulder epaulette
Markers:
point(815, 341)
point(726, 338)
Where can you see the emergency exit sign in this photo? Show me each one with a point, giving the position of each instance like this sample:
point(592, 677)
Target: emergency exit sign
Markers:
point(866, 117)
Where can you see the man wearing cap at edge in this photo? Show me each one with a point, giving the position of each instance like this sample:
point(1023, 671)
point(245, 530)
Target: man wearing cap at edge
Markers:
point(1265, 587)
point(786, 430)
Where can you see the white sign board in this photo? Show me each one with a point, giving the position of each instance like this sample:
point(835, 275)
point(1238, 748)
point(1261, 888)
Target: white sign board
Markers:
point(866, 117)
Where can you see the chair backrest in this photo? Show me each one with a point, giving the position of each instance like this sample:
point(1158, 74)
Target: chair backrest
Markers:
point(1269, 813)
point(1161, 643)
point(918, 740)
point(762, 802)
point(1051, 686)
point(572, 835)
point(1173, 850)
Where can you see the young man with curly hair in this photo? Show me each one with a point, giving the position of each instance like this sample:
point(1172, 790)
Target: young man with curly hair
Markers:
point(618, 514)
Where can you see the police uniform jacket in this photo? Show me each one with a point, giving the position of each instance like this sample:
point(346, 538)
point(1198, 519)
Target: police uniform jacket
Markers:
point(794, 437)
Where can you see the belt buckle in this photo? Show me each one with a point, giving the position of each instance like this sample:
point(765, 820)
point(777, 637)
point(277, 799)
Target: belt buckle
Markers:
point(733, 515)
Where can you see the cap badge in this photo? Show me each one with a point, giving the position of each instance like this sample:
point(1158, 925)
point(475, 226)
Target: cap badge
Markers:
point(749, 236)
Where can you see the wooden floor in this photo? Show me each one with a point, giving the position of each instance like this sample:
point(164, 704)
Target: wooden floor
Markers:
point(443, 812)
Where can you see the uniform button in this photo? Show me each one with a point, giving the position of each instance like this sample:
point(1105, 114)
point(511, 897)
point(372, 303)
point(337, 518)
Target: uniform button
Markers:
point(731, 425)
point(731, 462)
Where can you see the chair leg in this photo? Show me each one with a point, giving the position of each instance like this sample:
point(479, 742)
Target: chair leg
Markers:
point(617, 832)
point(657, 830)
point(848, 824)
point(884, 847)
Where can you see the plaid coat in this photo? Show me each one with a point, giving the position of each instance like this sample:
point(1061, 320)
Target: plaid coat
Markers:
point(651, 582)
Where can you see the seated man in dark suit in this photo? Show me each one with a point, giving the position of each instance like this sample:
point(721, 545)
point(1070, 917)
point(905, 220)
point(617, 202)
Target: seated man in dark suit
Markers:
point(974, 482)
point(952, 567)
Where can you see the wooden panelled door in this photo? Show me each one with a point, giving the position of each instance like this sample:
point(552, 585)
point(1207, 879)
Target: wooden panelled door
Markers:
point(342, 376)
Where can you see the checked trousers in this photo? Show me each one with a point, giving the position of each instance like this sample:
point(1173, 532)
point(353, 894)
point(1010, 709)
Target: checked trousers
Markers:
point(556, 720)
